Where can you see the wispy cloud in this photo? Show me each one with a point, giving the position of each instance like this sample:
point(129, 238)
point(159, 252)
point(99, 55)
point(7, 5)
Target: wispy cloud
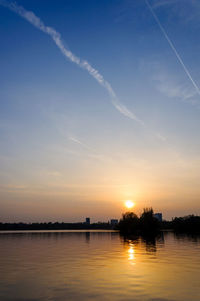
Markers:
point(173, 47)
point(184, 11)
point(13, 187)
point(77, 141)
point(167, 85)
point(165, 80)
point(160, 3)
point(53, 173)
point(56, 37)
point(91, 152)
point(123, 109)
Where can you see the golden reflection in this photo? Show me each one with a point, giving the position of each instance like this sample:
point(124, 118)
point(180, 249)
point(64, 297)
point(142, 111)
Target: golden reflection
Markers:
point(131, 249)
point(131, 253)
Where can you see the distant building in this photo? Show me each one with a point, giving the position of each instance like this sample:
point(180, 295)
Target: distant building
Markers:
point(114, 222)
point(87, 220)
point(158, 216)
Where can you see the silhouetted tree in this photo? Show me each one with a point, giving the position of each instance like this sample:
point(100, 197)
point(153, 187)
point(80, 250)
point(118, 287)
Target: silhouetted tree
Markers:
point(129, 223)
point(190, 224)
point(148, 223)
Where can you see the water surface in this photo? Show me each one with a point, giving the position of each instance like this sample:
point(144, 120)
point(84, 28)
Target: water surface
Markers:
point(83, 265)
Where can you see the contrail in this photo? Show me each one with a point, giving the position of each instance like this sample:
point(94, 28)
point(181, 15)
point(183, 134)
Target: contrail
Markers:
point(75, 140)
point(172, 46)
point(56, 37)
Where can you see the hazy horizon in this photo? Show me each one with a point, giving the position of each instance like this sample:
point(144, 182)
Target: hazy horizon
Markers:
point(99, 104)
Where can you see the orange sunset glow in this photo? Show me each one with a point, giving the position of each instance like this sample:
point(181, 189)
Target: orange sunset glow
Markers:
point(129, 204)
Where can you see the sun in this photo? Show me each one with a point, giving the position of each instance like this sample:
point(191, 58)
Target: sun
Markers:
point(129, 204)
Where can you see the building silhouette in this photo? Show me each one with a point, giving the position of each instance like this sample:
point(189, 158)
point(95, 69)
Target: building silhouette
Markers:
point(87, 220)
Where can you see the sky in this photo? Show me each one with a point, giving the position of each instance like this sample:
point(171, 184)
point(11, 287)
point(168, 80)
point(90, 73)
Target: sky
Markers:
point(99, 104)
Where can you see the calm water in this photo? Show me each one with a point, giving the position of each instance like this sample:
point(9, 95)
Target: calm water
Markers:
point(99, 266)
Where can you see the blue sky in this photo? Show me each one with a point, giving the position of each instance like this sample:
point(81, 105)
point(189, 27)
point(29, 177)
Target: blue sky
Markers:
point(68, 149)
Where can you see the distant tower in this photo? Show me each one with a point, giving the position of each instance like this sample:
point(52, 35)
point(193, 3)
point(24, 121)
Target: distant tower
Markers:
point(87, 220)
point(158, 216)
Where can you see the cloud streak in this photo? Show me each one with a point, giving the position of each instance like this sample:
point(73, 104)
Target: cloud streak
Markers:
point(75, 140)
point(172, 47)
point(56, 37)
point(175, 90)
point(92, 152)
point(167, 84)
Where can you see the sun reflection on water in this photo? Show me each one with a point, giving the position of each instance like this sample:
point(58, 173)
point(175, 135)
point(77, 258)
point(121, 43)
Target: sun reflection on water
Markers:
point(131, 253)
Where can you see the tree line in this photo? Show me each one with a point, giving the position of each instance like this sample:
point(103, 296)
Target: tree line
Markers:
point(130, 223)
point(147, 223)
point(53, 226)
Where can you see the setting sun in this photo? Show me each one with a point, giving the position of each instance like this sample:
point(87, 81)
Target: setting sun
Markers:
point(129, 204)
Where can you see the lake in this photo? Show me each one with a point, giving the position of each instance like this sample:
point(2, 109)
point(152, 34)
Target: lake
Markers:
point(98, 265)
